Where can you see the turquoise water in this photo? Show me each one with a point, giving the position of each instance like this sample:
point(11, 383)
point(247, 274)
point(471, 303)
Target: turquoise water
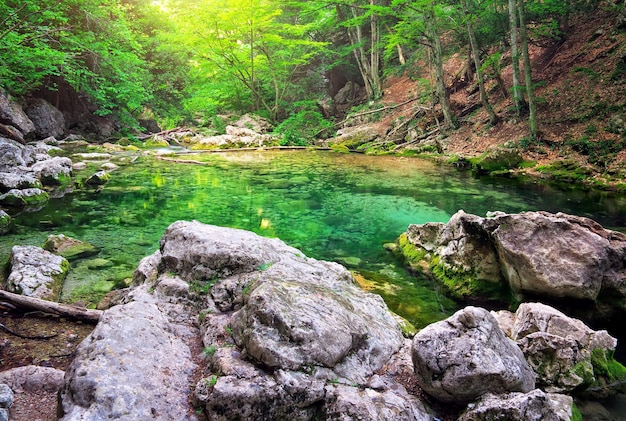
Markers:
point(331, 206)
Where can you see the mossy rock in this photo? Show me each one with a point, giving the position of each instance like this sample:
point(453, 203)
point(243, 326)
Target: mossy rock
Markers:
point(24, 198)
point(414, 257)
point(98, 179)
point(609, 374)
point(68, 247)
point(499, 159)
point(464, 285)
point(407, 328)
point(156, 143)
point(339, 147)
point(567, 171)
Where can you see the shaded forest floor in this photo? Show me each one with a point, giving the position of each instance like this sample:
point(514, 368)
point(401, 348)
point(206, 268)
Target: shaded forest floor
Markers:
point(581, 91)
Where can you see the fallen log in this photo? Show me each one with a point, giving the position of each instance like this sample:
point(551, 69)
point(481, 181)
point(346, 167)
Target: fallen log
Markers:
point(64, 310)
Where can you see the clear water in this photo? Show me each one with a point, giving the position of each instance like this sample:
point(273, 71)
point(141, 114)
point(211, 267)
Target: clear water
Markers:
point(331, 206)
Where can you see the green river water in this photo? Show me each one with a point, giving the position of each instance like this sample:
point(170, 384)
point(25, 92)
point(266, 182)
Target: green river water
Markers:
point(331, 206)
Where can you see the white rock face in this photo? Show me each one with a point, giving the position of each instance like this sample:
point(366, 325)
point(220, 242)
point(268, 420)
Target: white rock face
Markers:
point(532, 406)
point(467, 355)
point(36, 272)
point(285, 337)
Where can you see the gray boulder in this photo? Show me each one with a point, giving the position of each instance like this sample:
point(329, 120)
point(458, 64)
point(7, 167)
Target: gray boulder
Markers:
point(136, 364)
point(13, 154)
point(532, 406)
point(47, 119)
point(284, 336)
point(559, 255)
point(33, 378)
point(35, 272)
point(565, 354)
point(536, 253)
point(11, 113)
point(6, 401)
point(467, 355)
point(18, 180)
point(348, 403)
point(24, 198)
point(53, 171)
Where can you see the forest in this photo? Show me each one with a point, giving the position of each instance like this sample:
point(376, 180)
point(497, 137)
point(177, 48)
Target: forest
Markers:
point(187, 62)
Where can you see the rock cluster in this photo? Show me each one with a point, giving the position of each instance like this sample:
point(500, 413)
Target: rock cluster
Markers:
point(286, 336)
point(530, 254)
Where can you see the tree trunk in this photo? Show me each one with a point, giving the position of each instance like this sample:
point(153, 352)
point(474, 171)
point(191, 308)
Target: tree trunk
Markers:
point(493, 118)
point(368, 66)
point(450, 120)
point(35, 304)
point(518, 100)
point(528, 71)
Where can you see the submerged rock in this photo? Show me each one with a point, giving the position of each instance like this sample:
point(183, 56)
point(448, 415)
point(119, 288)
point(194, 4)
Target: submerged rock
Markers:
point(467, 355)
point(36, 272)
point(69, 247)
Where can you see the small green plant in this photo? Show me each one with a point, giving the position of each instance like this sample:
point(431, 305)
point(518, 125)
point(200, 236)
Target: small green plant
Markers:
point(202, 315)
point(209, 351)
point(202, 287)
point(265, 266)
point(211, 381)
point(229, 330)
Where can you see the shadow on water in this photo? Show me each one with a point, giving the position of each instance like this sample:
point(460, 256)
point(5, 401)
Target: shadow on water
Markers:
point(331, 206)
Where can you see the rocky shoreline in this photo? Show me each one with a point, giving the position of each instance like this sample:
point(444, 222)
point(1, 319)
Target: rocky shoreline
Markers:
point(221, 323)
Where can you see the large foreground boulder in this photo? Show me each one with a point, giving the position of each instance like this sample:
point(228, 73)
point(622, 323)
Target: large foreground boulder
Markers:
point(467, 355)
point(529, 254)
point(284, 336)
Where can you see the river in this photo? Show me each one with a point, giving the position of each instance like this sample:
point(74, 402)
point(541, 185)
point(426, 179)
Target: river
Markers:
point(331, 206)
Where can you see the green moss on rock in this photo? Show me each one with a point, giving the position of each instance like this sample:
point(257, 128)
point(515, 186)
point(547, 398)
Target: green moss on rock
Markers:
point(413, 256)
point(497, 160)
point(607, 369)
point(465, 284)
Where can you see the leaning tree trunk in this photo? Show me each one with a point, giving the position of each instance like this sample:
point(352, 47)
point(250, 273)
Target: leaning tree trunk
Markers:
point(440, 85)
point(493, 118)
point(528, 71)
point(518, 99)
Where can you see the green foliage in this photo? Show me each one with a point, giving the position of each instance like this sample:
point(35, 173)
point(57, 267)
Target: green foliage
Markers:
point(303, 126)
point(600, 152)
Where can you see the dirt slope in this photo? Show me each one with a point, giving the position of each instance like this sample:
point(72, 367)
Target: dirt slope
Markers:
point(581, 91)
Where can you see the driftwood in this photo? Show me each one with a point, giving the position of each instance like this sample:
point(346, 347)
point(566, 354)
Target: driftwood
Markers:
point(64, 310)
point(163, 133)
